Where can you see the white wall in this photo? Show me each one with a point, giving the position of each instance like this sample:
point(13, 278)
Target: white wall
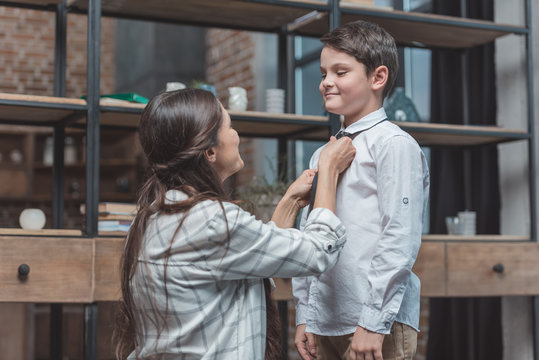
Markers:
point(512, 103)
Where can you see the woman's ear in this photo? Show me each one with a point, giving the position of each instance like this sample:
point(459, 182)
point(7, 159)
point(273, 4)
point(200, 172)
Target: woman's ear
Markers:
point(210, 155)
point(379, 77)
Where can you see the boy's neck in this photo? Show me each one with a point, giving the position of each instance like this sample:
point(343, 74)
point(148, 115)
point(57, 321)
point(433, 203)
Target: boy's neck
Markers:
point(349, 120)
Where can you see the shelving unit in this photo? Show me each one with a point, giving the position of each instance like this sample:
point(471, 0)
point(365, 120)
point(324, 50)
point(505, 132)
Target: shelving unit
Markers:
point(447, 265)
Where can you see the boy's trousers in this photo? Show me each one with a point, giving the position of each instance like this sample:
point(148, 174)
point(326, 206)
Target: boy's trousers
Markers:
point(400, 344)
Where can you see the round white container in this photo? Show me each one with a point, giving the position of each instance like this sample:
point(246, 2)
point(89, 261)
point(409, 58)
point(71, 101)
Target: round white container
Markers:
point(32, 219)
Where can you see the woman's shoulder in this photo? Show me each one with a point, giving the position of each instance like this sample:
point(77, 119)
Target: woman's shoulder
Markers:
point(205, 210)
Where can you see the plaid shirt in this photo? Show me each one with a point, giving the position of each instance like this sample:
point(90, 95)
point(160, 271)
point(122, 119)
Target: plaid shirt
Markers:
point(216, 306)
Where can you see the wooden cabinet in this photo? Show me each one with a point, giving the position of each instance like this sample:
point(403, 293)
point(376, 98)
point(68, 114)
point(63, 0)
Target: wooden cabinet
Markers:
point(486, 269)
point(492, 267)
point(60, 269)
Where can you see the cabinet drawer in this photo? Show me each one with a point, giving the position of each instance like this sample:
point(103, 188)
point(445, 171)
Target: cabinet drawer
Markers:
point(60, 269)
point(430, 268)
point(108, 253)
point(492, 269)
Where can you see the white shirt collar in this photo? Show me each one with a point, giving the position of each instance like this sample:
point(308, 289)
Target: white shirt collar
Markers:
point(367, 121)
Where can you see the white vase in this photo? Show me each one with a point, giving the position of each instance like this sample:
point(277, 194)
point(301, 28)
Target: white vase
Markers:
point(237, 98)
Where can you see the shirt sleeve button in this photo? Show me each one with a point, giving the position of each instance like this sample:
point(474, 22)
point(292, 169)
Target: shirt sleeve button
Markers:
point(330, 247)
point(387, 325)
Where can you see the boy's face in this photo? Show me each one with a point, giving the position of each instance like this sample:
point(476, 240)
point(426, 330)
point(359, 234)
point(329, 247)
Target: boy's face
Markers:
point(345, 86)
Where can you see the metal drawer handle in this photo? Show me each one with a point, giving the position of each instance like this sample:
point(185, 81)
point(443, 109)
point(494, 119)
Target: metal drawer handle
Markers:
point(23, 271)
point(499, 268)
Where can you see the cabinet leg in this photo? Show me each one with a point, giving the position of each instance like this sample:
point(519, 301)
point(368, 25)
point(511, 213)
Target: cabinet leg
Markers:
point(90, 331)
point(56, 320)
point(535, 327)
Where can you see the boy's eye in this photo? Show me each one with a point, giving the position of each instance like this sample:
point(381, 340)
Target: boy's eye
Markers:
point(341, 73)
point(323, 76)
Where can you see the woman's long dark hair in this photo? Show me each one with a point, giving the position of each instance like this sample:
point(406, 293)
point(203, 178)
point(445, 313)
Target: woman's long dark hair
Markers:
point(176, 129)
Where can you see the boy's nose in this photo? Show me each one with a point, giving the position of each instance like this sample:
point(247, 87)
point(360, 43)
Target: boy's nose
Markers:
point(328, 82)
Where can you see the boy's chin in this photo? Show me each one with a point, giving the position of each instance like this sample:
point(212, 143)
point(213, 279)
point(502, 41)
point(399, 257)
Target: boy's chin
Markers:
point(334, 110)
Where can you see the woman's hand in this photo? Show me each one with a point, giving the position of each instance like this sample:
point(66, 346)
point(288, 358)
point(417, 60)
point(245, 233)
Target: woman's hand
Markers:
point(337, 154)
point(300, 190)
point(296, 197)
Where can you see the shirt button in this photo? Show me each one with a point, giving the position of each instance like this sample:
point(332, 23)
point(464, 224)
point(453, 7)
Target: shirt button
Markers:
point(387, 325)
point(405, 200)
point(330, 247)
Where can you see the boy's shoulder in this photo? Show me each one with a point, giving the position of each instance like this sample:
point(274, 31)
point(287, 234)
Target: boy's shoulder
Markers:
point(391, 131)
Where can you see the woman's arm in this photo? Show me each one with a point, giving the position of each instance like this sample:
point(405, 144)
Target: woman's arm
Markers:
point(334, 159)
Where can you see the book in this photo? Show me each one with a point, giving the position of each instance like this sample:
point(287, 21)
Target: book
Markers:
point(109, 216)
point(131, 97)
point(113, 225)
point(113, 208)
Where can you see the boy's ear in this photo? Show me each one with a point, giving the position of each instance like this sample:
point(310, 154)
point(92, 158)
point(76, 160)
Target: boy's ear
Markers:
point(210, 155)
point(379, 77)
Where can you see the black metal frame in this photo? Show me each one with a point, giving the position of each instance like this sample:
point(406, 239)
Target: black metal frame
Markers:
point(92, 111)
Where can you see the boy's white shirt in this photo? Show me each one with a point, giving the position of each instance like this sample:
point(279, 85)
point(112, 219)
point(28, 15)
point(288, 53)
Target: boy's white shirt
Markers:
point(381, 199)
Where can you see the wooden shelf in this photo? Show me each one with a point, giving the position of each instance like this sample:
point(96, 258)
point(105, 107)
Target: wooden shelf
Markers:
point(475, 238)
point(39, 3)
point(262, 124)
point(49, 110)
point(41, 232)
point(247, 123)
point(309, 127)
point(419, 29)
point(429, 134)
point(309, 18)
point(104, 196)
point(103, 163)
point(240, 14)
point(39, 110)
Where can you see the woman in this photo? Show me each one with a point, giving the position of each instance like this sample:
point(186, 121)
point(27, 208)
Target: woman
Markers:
point(194, 264)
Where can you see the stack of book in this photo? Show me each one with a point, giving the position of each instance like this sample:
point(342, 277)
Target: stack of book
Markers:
point(114, 216)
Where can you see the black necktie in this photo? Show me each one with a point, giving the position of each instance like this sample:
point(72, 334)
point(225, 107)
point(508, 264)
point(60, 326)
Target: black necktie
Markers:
point(339, 135)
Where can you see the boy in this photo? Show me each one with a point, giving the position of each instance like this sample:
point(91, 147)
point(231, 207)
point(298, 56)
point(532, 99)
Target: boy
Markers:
point(367, 306)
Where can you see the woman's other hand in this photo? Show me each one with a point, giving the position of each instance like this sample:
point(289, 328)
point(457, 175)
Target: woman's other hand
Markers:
point(337, 154)
point(296, 197)
point(300, 190)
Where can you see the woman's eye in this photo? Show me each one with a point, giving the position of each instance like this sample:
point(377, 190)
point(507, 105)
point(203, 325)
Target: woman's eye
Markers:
point(341, 73)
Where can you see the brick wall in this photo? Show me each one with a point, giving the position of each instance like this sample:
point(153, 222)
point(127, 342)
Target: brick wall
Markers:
point(27, 53)
point(230, 57)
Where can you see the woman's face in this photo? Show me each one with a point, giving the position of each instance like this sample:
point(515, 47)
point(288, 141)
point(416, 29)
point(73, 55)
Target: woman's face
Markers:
point(225, 157)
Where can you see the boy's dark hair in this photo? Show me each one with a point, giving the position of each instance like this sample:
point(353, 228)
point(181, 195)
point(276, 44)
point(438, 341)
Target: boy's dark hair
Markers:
point(369, 44)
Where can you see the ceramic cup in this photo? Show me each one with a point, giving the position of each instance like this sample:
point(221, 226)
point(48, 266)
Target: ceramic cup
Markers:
point(32, 219)
point(275, 101)
point(467, 221)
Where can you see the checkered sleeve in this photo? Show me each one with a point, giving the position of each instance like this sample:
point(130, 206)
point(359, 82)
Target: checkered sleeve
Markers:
point(259, 250)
